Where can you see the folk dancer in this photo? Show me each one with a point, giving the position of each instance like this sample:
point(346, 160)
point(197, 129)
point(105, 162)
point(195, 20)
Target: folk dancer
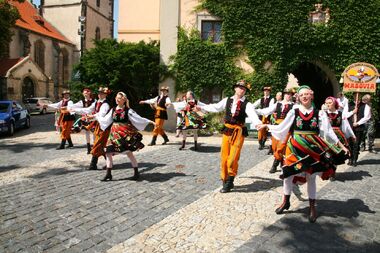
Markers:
point(309, 151)
point(339, 123)
point(278, 111)
point(124, 136)
point(84, 122)
point(360, 118)
point(191, 119)
point(160, 104)
point(98, 109)
point(237, 108)
point(66, 118)
point(262, 103)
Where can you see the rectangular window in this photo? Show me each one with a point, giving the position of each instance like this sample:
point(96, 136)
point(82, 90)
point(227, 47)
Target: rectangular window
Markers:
point(211, 29)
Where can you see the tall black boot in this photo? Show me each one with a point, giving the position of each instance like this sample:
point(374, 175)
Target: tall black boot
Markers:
point(312, 211)
point(62, 146)
point(88, 148)
point(195, 145)
point(166, 139)
point(153, 142)
point(274, 166)
point(285, 205)
point(108, 175)
point(261, 145)
point(183, 145)
point(228, 185)
point(70, 143)
point(270, 151)
point(136, 174)
point(93, 164)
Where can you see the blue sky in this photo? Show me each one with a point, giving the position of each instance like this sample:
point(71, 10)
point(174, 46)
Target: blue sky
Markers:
point(116, 14)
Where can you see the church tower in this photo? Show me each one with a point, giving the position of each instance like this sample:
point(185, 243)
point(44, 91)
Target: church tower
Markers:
point(81, 21)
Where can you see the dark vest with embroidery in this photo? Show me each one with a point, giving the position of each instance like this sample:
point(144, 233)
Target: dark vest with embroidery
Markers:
point(264, 104)
point(335, 119)
point(67, 116)
point(120, 115)
point(161, 114)
point(87, 103)
point(237, 118)
point(190, 105)
point(307, 122)
point(281, 114)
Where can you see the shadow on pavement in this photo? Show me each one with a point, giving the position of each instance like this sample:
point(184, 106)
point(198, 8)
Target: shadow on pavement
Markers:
point(143, 167)
point(160, 177)
point(369, 161)
point(352, 175)
point(20, 148)
point(206, 149)
point(293, 233)
point(262, 184)
point(8, 168)
point(55, 172)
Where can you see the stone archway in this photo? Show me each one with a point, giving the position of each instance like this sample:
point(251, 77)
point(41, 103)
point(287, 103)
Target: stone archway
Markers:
point(28, 88)
point(320, 78)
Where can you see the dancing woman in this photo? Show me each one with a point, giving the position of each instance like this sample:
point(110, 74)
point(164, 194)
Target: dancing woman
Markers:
point(191, 119)
point(309, 151)
point(124, 136)
point(339, 122)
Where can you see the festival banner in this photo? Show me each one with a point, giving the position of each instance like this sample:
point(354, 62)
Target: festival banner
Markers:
point(360, 77)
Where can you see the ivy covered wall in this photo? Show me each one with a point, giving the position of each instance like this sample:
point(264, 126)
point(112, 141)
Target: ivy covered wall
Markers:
point(277, 34)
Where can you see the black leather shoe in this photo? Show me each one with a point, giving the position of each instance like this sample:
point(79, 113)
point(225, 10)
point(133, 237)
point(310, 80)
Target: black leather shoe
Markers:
point(284, 206)
point(108, 177)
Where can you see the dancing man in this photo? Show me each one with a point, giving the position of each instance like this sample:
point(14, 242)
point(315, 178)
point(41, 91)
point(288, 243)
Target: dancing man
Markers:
point(237, 108)
point(160, 104)
point(66, 118)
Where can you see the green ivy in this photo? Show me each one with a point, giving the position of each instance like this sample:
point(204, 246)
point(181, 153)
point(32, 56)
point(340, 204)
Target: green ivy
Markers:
point(278, 32)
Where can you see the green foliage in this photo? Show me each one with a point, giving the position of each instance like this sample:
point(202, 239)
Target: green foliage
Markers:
point(199, 65)
point(8, 17)
point(214, 123)
point(278, 32)
point(130, 67)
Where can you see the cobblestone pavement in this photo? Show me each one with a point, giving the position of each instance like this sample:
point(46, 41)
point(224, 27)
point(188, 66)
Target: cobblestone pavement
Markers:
point(49, 202)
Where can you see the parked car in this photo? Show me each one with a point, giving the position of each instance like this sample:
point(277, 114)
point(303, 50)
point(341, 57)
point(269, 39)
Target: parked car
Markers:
point(39, 104)
point(13, 115)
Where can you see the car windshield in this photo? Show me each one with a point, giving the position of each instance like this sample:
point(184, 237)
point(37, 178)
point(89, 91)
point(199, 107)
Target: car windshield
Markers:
point(4, 107)
point(31, 100)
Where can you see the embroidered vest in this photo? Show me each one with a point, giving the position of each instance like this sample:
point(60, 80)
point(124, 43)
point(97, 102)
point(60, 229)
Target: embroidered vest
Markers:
point(238, 119)
point(120, 115)
point(307, 122)
point(263, 103)
point(335, 119)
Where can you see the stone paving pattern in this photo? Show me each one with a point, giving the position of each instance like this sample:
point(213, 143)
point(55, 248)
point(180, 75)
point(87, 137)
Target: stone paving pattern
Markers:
point(50, 203)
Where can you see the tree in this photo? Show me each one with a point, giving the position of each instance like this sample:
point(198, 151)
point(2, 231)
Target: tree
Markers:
point(8, 17)
point(133, 68)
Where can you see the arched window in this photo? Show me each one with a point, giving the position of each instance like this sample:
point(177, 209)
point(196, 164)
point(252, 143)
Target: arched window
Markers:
point(98, 3)
point(39, 54)
point(97, 33)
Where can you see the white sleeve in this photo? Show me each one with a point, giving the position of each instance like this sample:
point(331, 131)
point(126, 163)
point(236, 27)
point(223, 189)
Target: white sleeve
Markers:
point(150, 101)
point(272, 102)
point(77, 105)
point(346, 129)
point(267, 111)
point(347, 114)
point(139, 122)
point(367, 115)
point(218, 107)
point(256, 103)
point(104, 120)
point(85, 110)
point(251, 115)
point(325, 129)
point(179, 106)
point(280, 132)
point(167, 100)
point(56, 105)
point(69, 105)
point(104, 108)
point(201, 103)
